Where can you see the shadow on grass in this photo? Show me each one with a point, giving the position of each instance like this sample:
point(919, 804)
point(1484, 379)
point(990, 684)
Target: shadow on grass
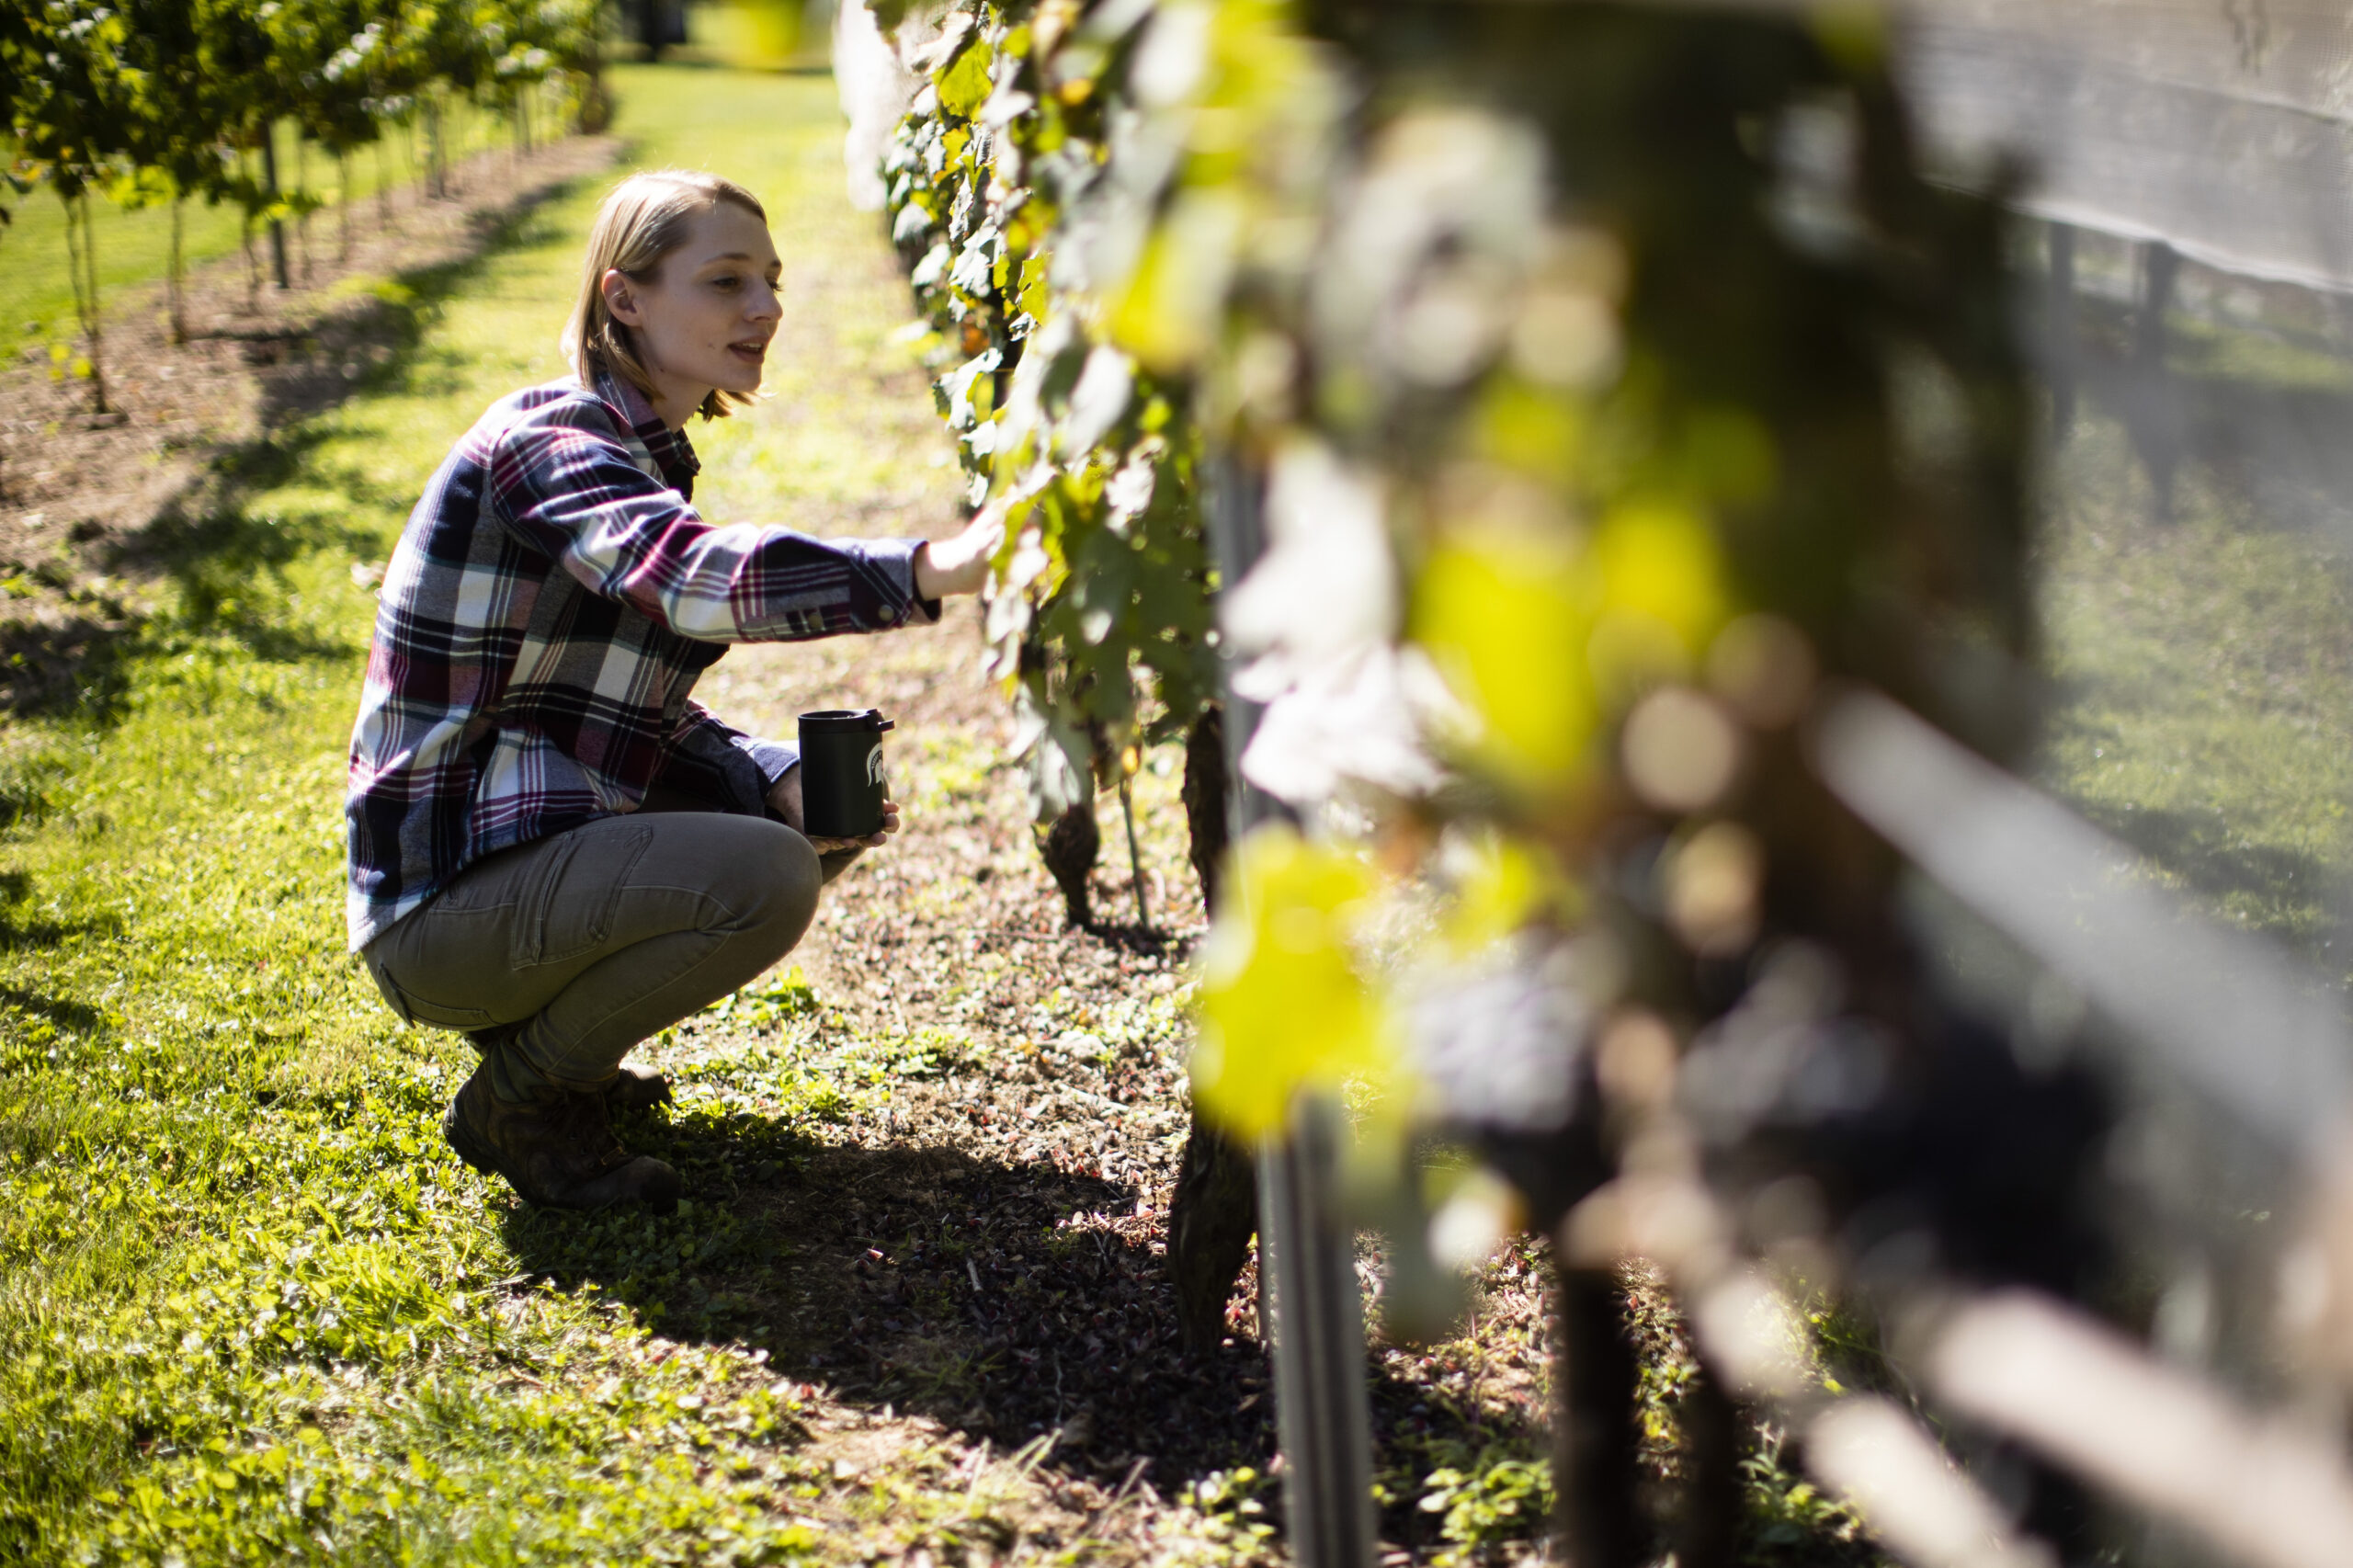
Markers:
point(57, 1010)
point(17, 932)
point(225, 561)
point(2266, 440)
point(2214, 858)
point(1007, 1300)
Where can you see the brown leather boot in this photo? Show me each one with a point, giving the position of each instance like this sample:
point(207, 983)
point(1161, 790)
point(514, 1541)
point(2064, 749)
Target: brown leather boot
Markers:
point(558, 1154)
point(635, 1088)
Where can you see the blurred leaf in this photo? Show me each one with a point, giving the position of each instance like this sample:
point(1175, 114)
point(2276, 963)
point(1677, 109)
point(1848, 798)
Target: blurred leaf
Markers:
point(1282, 1002)
point(1507, 885)
point(1505, 616)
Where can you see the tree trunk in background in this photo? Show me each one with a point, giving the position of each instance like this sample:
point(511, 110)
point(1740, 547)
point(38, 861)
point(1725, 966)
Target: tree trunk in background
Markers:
point(436, 182)
point(1215, 1209)
point(302, 184)
point(1707, 1515)
point(269, 183)
point(1595, 1384)
point(1212, 1218)
point(175, 274)
point(1135, 852)
point(83, 261)
point(342, 207)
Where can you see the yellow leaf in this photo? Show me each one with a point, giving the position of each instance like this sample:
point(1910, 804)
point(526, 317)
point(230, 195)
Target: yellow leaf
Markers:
point(1031, 296)
point(1663, 598)
point(1282, 1002)
point(1169, 312)
point(1506, 615)
point(1661, 560)
point(1535, 432)
point(964, 83)
point(1505, 886)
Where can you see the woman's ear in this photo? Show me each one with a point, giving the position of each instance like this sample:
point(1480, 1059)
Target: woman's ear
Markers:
point(620, 298)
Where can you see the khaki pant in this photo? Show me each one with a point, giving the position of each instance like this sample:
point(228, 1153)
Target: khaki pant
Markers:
point(594, 939)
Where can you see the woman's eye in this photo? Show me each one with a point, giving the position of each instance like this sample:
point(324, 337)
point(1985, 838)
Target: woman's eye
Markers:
point(726, 282)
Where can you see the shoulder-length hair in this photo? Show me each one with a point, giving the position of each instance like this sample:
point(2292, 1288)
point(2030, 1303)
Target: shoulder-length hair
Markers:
point(644, 219)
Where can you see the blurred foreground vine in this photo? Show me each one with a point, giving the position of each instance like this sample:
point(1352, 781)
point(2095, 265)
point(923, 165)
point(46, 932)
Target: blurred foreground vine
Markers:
point(1595, 455)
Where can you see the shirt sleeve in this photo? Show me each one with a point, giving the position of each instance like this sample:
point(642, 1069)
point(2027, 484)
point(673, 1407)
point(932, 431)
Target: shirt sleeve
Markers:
point(712, 759)
point(773, 758)
point(574, 494)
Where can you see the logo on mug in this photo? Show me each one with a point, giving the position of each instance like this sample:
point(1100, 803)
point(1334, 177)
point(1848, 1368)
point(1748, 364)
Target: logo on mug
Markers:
point(874, 766)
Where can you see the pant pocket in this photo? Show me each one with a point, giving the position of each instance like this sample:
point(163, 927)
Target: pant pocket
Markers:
point(414, 1011)
point(568, 909)
point(394, 997)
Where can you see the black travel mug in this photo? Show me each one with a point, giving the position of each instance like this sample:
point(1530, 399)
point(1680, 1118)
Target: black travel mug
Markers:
point(841, 773)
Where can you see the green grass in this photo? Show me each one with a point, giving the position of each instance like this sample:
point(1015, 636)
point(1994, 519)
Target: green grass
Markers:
point(2204, 689)
point(250, 1308)
point(135, 241)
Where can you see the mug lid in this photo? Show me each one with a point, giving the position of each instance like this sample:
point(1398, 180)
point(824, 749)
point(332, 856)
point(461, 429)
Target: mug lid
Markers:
point(836, 721)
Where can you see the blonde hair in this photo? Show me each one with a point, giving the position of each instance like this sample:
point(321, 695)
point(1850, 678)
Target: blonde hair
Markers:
point(644, 219)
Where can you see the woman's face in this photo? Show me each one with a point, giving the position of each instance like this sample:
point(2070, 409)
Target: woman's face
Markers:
point(705, 318)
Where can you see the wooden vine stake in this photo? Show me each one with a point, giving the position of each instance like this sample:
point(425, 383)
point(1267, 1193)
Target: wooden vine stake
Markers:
point(1129, 760)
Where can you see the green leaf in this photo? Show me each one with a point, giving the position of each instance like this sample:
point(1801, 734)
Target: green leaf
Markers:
point(963, 83)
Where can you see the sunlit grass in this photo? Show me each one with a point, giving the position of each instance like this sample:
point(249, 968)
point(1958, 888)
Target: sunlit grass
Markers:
point(2203, 693)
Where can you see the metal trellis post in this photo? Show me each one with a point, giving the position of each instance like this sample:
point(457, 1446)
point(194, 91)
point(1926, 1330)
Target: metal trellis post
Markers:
point(1306, 1248)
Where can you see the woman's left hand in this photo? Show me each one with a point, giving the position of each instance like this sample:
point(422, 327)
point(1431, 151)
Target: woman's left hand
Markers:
point(784, 799)
point(959, 565)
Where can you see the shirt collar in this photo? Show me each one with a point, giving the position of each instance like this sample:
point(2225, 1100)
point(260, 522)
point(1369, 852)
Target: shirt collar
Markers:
point(671, 451)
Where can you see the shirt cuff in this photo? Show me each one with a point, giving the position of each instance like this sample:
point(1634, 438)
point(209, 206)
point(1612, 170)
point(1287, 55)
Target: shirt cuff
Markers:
point(897, 557)
point(774, 758)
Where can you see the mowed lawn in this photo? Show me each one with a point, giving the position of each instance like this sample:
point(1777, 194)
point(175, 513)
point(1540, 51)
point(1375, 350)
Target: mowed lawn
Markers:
point(251, 1309)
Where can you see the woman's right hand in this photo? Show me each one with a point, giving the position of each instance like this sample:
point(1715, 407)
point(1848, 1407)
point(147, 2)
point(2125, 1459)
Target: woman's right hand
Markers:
point(959, 565)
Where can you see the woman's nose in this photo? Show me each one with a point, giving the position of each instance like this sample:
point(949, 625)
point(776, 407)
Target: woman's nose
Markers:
point(764, 304)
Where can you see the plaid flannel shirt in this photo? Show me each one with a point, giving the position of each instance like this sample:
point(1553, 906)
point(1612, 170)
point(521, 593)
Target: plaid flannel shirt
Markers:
point(543, 621)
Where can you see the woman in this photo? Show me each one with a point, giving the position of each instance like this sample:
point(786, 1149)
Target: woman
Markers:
point(551, 848)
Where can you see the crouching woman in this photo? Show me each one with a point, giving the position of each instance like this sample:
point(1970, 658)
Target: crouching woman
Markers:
point(552, 847)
